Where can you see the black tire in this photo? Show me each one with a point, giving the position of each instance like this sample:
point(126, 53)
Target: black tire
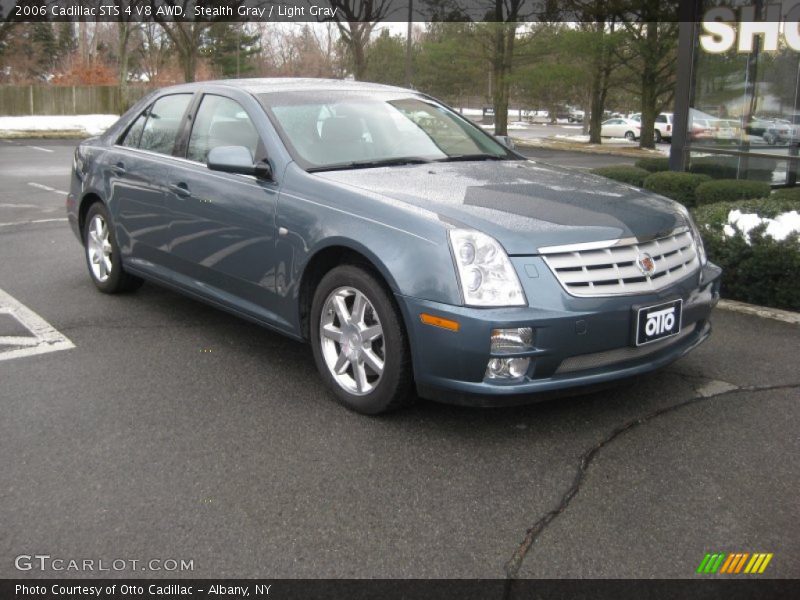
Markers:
point(394, 388)
point(117, 279)
point(657, 136)
point(630, 136)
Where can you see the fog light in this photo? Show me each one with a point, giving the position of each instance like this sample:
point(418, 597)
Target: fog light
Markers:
point(510, 341)
point(507, 368)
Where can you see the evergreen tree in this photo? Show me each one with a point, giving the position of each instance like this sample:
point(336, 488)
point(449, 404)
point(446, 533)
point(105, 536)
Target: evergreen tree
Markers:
point(45, 47)
point(230, 49)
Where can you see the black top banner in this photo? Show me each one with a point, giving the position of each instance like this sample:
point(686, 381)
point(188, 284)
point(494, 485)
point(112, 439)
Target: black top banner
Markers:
point(345, 10)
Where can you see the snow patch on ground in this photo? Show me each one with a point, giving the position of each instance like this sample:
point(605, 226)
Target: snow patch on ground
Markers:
point(514, 125)
point(90, 124)
point(778, 228)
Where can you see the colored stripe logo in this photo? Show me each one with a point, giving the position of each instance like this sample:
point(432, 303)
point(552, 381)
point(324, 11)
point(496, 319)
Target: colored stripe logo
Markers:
point(735, 563)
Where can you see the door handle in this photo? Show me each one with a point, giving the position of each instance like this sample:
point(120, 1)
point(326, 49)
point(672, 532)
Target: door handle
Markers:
point(180, 189)
point(118, 168)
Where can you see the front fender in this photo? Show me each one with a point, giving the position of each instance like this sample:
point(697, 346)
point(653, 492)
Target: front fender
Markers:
point(409, 249)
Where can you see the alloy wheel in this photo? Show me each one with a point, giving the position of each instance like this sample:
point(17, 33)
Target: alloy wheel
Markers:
point(98, 248)
point(351, 339)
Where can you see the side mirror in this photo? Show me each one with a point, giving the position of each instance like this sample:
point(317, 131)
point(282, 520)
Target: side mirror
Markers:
point(505, 140)
point(237, 159)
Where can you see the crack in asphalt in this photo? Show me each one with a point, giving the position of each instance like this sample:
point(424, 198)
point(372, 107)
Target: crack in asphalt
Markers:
point(513, 566)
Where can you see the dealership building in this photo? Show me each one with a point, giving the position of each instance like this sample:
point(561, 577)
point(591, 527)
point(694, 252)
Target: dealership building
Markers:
point(737, 100)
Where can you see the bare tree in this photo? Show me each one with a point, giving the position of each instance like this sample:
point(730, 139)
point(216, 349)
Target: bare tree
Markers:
point(497, 39)
point(153, 50)
point(598, 18)
point(650, 50)
point(357, 20)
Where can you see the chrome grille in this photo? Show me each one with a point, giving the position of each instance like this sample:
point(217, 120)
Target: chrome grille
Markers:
point(611, 269)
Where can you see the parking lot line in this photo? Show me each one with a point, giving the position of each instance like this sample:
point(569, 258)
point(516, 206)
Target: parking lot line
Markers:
point(44, 337)
point(41, 149)
point(46, 188)
point(33, 222)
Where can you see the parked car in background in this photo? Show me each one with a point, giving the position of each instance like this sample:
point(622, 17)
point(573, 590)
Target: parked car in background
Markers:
point(758, 125)
point(712, 129)
point(620, 127)
point(781, 131)
point(663, 127)
point(576, 116)
point(412, 250)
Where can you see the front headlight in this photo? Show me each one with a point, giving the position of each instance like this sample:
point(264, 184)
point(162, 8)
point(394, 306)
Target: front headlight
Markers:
point(698, 239)
point(486, 275)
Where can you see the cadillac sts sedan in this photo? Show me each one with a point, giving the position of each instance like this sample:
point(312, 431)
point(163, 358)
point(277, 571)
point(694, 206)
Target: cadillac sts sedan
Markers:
point(417, 254)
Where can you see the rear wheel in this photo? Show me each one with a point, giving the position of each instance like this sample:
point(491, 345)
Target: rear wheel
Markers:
point(359, 342)
point(102, 253)
point(630, 136)
point(657, 135)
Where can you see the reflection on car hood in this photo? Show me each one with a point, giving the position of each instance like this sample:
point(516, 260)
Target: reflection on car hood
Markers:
point(525, 205)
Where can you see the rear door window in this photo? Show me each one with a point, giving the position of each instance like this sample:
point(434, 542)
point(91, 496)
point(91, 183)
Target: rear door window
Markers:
point(163, 124)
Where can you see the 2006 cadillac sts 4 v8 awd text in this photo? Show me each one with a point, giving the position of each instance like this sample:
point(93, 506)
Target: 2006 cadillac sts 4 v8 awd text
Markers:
point(410, 248)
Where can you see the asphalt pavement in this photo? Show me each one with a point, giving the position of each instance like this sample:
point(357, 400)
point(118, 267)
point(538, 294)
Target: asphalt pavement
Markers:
point(175, 431)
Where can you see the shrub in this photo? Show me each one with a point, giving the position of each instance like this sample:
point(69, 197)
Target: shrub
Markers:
point(654, 165)
point(723, 190)
point(726, 167)
point(792, 194)
point(712, 216)
point(678, 186)
point(760, 270)
point(624, 173)
point(717, 170)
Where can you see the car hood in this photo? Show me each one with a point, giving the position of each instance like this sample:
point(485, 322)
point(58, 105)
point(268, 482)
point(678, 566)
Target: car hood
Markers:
point(525, 205)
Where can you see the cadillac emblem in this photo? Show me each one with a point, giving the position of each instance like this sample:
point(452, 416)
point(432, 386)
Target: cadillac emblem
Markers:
point(646, 264)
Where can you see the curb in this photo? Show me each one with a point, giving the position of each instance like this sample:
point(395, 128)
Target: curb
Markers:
point(35, 134)
point(764, 312)
point(586, 148)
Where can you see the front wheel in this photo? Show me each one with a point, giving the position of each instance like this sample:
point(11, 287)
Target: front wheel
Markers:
point(102, 253)
point(359, 342)
point(630, 136)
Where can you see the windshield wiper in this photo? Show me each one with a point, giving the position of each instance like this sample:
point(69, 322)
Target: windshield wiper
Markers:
point(468, 157)
point(368, 164)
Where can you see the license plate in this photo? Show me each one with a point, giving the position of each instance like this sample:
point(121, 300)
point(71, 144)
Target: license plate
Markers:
point(658, 322)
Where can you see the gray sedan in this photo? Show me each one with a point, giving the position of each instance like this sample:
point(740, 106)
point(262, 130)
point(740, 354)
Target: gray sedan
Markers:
point(415, 252)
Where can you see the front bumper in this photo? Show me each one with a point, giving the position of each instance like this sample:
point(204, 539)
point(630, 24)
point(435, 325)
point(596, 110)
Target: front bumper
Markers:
point(578, 342)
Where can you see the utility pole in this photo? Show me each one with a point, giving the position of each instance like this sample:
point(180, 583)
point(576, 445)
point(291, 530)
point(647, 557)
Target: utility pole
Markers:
point(408, 42)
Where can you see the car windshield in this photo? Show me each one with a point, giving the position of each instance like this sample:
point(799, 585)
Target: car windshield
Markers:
point(345, 130)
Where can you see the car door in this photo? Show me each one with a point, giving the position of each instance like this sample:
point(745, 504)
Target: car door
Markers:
point(611, 128)
point(223, 228)
point(136, 169)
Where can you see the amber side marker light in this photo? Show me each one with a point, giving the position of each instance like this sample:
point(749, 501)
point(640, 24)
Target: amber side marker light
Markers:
point(439, 322)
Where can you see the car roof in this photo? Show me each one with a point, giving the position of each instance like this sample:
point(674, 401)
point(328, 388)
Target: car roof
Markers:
point(267, 85)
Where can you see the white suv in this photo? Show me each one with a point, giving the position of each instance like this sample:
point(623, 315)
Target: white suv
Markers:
point(663, 127)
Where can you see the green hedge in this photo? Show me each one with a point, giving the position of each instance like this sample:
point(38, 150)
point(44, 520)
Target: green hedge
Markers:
point(727, 167)
point(654, 165)
point(761, 271)
point(792, 193)
point(678, 186)
point(723, 190)
point(715, 215)
point(624, 173)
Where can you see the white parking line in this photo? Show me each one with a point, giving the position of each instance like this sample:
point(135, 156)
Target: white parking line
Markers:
point(32, 222)
point(7, 205)
point(41, 149)
point(46, 188)
point(44, 337)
